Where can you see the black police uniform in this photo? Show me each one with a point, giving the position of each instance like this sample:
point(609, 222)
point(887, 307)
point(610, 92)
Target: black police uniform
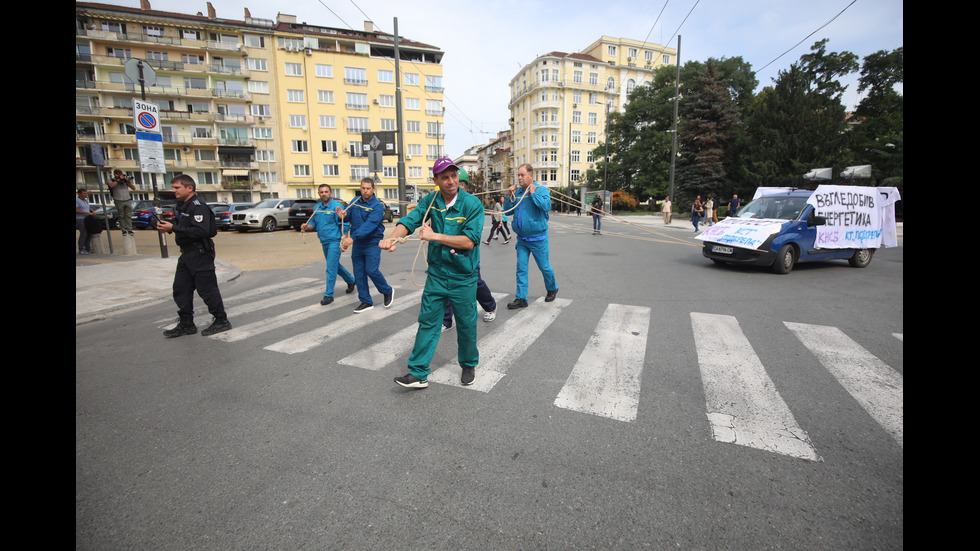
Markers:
point(193, 228)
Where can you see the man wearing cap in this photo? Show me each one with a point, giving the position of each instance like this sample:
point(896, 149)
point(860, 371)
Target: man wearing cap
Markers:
point(532, 204)
point(366, 215)
point(483, 294)
point(451, 220)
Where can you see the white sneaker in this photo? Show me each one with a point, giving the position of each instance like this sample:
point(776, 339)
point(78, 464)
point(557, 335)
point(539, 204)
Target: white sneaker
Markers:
point(490, 316)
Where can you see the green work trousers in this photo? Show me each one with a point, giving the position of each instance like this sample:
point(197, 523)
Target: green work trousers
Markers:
point(460, 292)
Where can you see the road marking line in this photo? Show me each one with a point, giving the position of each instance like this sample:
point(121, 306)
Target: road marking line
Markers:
point(876, 386)
point(606, 378)
point(258, 291)
point(743, 406)
point(500, 349)
point(316, 337)
point(400, 344)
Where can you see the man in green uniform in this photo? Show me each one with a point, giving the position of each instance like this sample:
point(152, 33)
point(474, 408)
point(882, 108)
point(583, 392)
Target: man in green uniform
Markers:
point(451, 220)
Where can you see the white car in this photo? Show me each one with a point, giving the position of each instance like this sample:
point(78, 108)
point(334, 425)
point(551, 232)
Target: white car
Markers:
point(266, 216)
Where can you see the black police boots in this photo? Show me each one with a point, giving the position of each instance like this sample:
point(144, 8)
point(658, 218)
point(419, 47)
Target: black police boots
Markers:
point(184, 327)
point(220, 324)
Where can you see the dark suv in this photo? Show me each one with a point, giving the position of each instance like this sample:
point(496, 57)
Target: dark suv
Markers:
point(303, 209)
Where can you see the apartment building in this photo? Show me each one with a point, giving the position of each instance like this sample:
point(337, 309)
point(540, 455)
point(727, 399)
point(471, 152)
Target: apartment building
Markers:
point(560, 102)
point(252, 108)
point(337, 87)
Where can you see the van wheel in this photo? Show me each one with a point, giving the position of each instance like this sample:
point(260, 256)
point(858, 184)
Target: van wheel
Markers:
point(861, 258)
point(785, 260)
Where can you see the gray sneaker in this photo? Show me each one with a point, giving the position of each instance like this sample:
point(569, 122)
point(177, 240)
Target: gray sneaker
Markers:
point(409, 381)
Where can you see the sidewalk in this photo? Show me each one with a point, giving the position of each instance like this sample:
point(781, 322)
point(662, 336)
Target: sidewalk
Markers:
point(107, 283)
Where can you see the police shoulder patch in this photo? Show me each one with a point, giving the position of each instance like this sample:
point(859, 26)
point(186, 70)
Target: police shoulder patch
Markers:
point(198, 218)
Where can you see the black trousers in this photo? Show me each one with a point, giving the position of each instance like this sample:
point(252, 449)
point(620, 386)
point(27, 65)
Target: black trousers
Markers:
point(195, 271)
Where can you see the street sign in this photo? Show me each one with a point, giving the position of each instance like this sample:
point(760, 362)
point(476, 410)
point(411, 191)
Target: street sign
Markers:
point(146, 116)
point(383, 141)
point(150, 148)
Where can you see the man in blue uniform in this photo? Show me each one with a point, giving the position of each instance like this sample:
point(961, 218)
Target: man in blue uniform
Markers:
point(330, 228)
point(366, 217)
point(193, 227)
point(451, 220)
point(531, 226)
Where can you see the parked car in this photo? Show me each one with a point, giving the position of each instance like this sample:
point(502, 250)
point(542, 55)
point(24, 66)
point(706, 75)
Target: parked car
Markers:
point(389, 215)
point(302, 210)
point(145, 214)
point(223, 212)
point(266, 216)
point(109, 212)
point(793, 226)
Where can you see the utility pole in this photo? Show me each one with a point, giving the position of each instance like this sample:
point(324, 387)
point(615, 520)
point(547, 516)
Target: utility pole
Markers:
point(677, 92)
point(398, 134)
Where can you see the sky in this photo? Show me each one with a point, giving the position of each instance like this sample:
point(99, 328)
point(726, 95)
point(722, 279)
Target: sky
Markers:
point(487, 43)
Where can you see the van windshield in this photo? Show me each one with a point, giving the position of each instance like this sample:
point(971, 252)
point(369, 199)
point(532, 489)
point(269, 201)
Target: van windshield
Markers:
point(777, 208)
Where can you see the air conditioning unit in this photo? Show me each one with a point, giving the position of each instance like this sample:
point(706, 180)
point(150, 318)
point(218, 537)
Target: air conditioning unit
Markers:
point(186, 149)
point(408, 157)
point(115, 146)
point(336, 154)
point(375, 101)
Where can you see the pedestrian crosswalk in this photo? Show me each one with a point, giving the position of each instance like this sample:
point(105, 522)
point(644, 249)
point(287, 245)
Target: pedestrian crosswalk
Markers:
point(742, 402)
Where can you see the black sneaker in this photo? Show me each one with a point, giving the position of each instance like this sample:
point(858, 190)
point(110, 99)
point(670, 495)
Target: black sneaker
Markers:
point(389, 298)
point(326, 300)
point(219, 325)
point(409, 381)
point(518, 303)
point(551, 295)
point(469, 373)
point(350, 288)
point(363, 307)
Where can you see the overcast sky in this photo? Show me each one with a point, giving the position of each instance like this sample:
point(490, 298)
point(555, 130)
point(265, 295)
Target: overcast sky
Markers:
point(487, 43)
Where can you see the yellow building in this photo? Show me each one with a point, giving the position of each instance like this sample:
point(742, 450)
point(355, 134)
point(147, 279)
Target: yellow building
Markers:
point(333, 86)
point(252, 108)
point(559, 104)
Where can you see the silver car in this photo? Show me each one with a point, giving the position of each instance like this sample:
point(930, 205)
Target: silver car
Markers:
point(266, 216)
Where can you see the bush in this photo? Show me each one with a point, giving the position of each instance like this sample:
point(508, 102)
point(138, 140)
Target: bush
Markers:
point(623, 201)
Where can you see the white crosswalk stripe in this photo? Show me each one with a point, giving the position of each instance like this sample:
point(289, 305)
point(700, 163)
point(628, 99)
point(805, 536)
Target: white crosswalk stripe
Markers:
point(320, 335)
point(878, 388)
point(500, 349)
point(396, 346)
point(742, 402)
point(606, 378)
point(743, 405)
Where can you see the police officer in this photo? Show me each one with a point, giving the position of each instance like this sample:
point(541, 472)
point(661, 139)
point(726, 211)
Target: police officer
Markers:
point(193, 227)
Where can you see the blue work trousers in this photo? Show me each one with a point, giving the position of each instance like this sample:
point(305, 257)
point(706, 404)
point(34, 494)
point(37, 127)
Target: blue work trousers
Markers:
point(366, 258)
point(331, 252)
point(539, 249)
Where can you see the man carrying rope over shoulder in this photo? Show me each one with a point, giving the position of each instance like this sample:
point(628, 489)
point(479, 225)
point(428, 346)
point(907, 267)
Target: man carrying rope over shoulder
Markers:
point(532, 204)
point(330, 228)
point(451, 220)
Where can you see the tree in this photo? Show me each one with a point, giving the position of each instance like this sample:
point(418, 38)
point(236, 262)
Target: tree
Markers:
point(878, 132)
point(799, 124)
point(709, 121)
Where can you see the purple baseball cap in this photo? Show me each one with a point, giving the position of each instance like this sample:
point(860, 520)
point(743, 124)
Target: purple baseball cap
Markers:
point(443, 164)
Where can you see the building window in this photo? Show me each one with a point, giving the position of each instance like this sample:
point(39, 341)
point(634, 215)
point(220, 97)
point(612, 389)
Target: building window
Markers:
point(592, 138)
point(300, 146)
point(297, 121)
point(632, 53)
point(411, 79)
point(295, 96)
point(593, 118)
point(576, 156)
point(331, 170)
point(389, 124)
point(576, 117)
point(413, 126)
point(577, 77)
point(265, 155)
point(328, 121)
point(414, 104)
point(433, 83)
point(386, 100)
point(611, 50)
point(433, 107)
point(390, 172)
point(385, 75)
point(259, 110)
point(593, 79)
point(294, 69)
point(576, 136)
point(355, 75)
point(301, 171)
point(357, 124)
point(357, 101)
point(258, 87)
point(610, 83)
point(254, 41)
point(359, 172)
point(416, 172)
point(324, 96)
point(328, 146)
point(324, 71)
point(262, 133)
point(575, 175)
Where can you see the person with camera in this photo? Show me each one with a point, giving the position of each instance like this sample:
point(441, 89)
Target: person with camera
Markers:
point(119, 187)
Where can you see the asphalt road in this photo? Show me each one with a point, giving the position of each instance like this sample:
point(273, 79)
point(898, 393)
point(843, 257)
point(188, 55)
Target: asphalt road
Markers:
point(200, 443)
